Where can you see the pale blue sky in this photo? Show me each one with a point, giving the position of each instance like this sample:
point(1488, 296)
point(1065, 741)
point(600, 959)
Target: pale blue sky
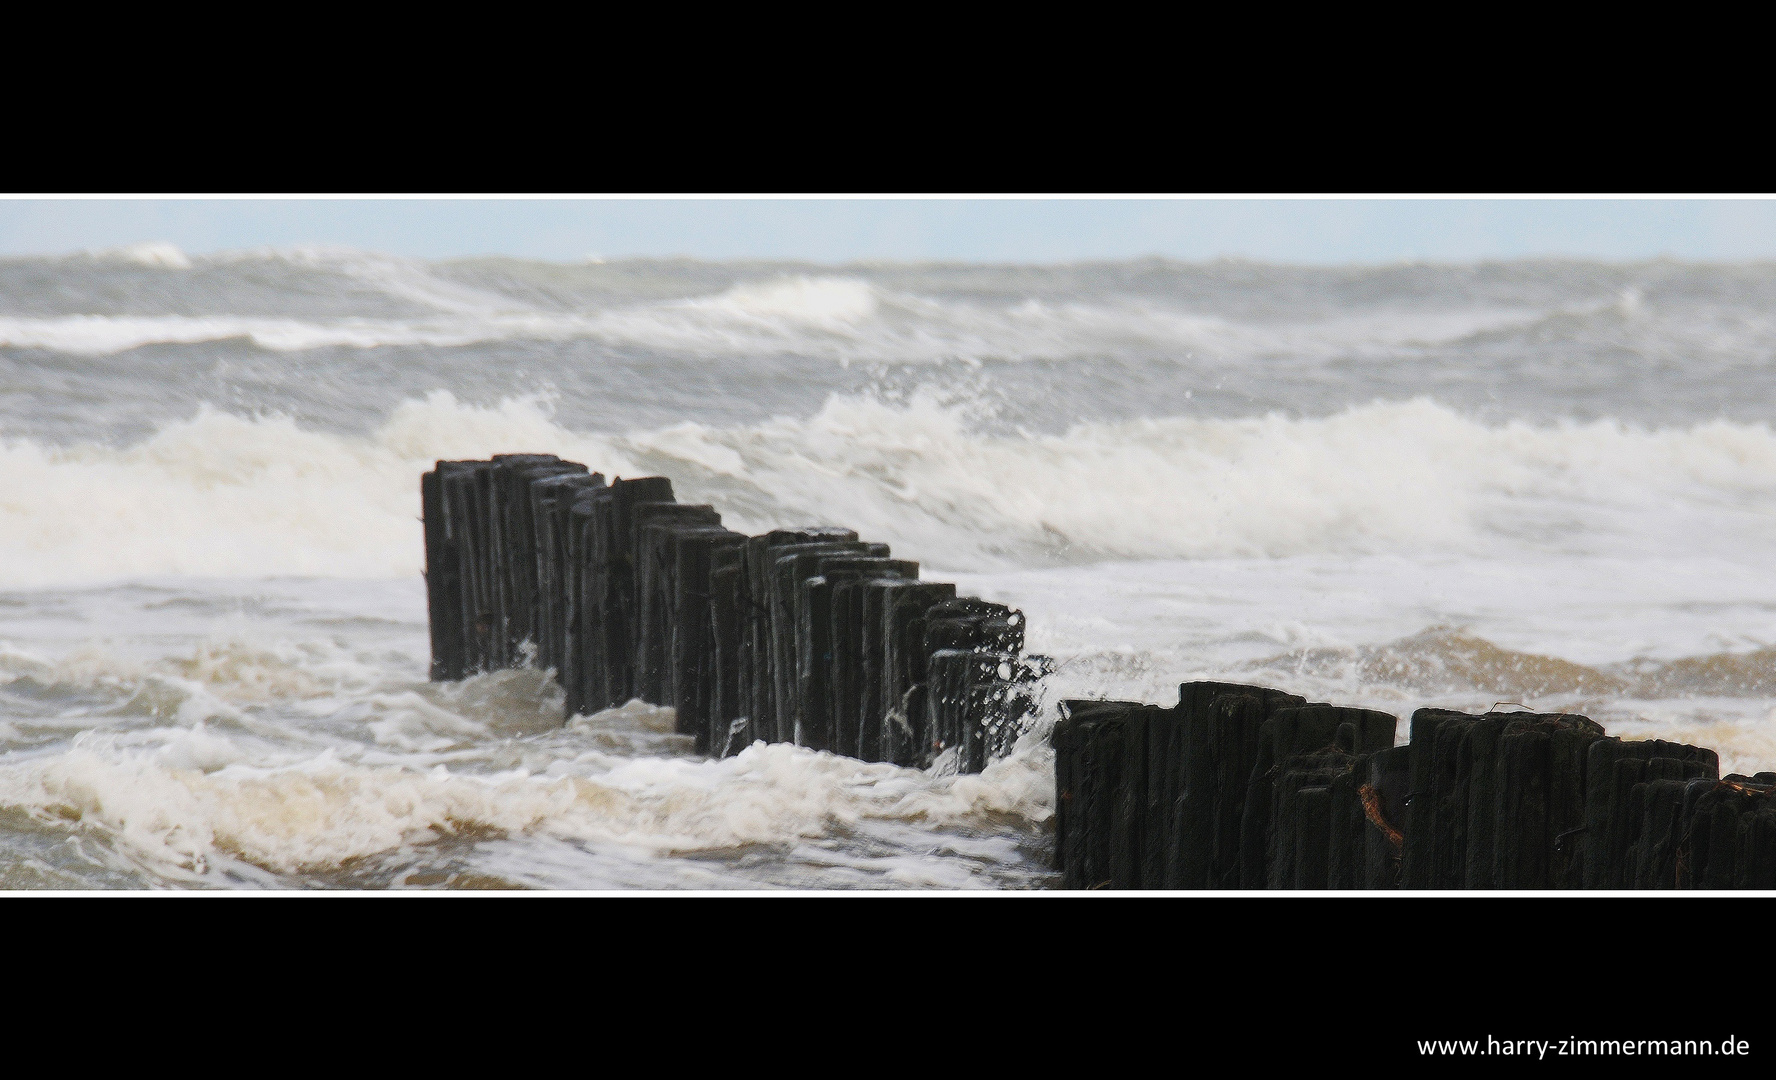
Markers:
point(832, 231)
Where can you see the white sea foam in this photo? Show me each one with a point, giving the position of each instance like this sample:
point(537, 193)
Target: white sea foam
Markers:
point(185, 795)
point(1383, 477)
point(293, 759)
point(229, 496)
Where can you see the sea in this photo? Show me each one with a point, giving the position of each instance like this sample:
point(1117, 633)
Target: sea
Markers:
point(1548, 484)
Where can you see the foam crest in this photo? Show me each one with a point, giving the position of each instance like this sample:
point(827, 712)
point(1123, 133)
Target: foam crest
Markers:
point(223, 495)
point(1384, 477)
point(160, 255)
point(819, 302)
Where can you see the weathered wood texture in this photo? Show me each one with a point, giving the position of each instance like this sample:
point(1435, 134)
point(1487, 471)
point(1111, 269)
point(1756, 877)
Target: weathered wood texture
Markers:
point(808, 635)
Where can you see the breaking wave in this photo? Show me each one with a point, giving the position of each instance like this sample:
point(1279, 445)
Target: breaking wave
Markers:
point(225, 495)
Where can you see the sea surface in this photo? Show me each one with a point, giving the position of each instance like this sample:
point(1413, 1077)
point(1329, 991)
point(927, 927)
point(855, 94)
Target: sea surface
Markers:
point(1551, 483)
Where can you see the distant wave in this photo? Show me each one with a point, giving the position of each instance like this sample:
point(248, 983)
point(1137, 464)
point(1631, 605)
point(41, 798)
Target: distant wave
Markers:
point(98, 335)
point(847, 319)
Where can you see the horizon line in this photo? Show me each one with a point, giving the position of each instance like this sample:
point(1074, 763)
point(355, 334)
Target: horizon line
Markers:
point(123, 252)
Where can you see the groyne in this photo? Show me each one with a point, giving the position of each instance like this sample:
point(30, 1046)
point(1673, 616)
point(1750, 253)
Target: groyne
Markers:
point(811, 636)
point(1245, 787)
point(820, 638)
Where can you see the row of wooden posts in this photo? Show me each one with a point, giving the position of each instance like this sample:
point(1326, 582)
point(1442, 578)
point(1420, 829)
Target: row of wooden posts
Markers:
point(1245, 787)
point(816, 637)
point(809, 635)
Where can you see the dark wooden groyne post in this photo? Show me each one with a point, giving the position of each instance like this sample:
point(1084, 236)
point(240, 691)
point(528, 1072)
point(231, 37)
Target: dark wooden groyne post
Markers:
point(1500, 800)
point(441, 580)
point(811, 635)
